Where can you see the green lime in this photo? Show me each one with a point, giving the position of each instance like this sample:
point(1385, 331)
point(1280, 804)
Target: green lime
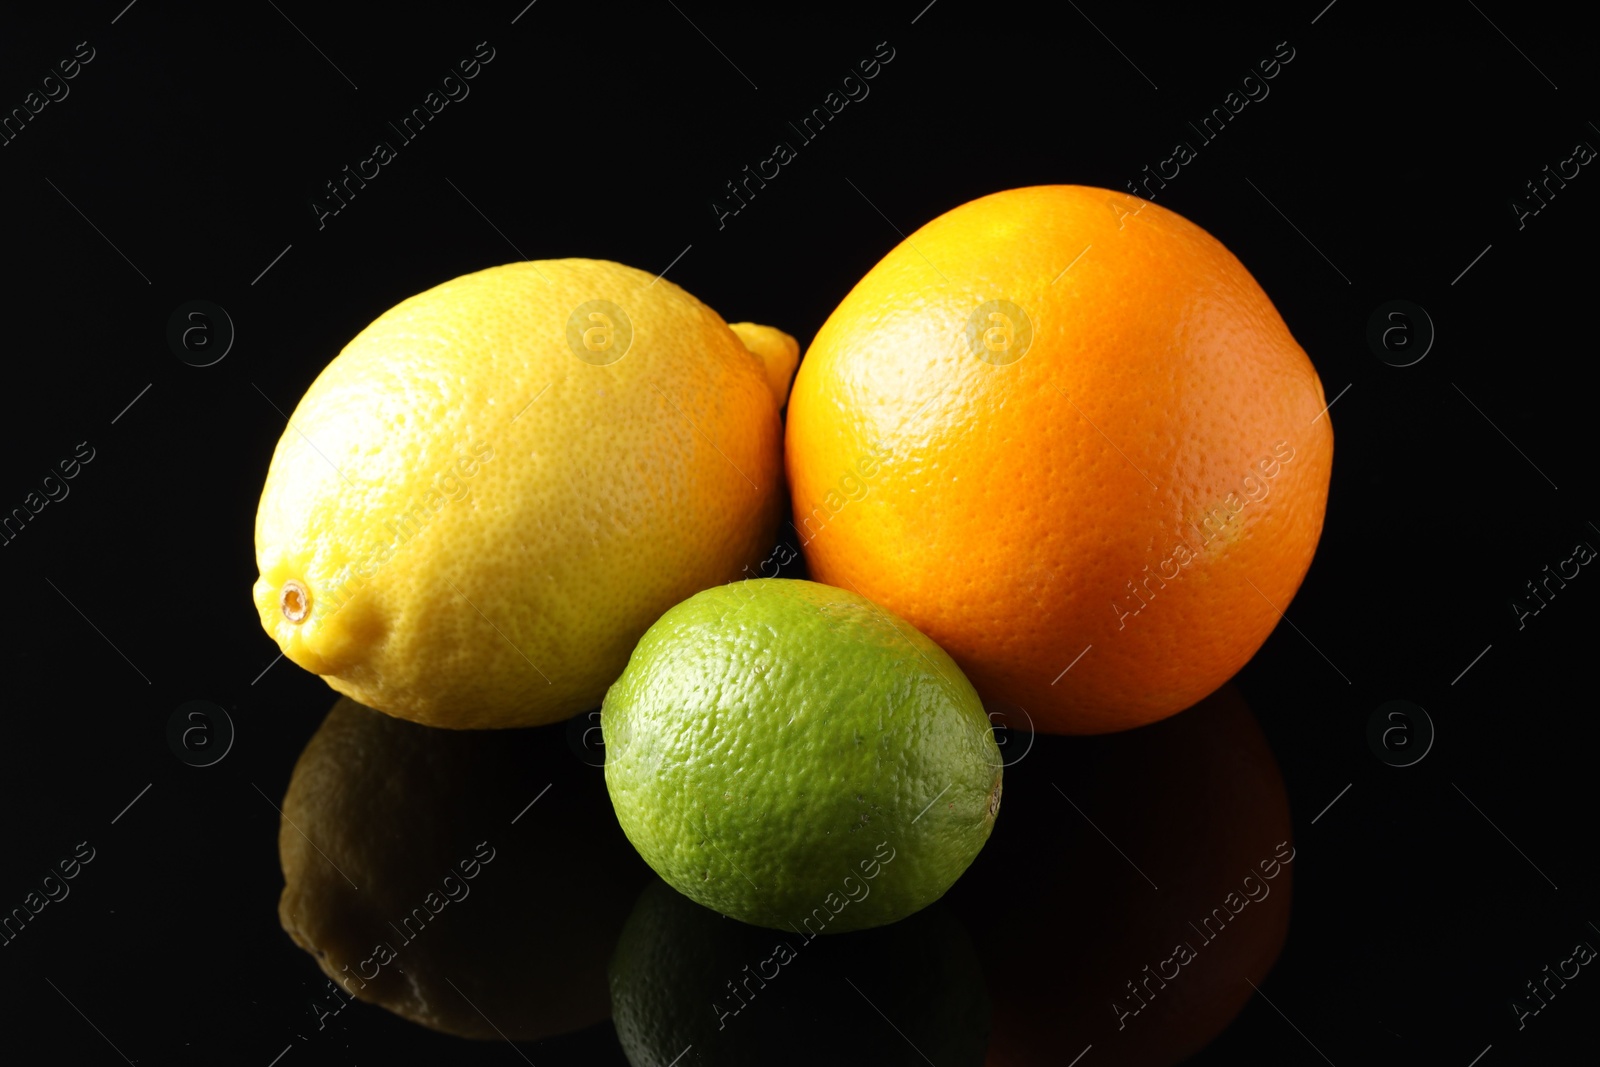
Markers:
point(793, 756)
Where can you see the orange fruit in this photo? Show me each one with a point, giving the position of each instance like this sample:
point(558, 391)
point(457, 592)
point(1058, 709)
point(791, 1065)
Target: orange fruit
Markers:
point(1063, 432)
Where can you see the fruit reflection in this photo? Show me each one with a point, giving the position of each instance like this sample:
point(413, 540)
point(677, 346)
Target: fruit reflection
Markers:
point(407, 879)
point(1079, 944)
point(691, 987)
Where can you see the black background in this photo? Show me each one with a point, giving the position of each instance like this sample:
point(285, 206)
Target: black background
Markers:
point(183, 163)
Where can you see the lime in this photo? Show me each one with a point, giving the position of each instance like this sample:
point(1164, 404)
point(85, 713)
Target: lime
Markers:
point(793, 756)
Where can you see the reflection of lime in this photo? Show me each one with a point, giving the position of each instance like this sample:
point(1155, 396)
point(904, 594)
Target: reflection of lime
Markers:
point(687, 983)
point(790, 754)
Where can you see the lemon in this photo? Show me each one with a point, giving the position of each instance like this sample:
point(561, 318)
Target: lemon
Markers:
point(779, 351)
point(483, 501)
point(793, 756)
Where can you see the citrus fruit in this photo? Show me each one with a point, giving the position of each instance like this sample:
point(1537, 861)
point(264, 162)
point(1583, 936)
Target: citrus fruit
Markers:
point(1064, 433)
point(778, 351)
point(793, 756)
point(691, 988)
point(406, 878)
point(484, 500)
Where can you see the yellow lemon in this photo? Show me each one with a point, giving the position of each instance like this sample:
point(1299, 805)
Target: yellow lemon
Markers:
point(779, 351)
point(483, 501)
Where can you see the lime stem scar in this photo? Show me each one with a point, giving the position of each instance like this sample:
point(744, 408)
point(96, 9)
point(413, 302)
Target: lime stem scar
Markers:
point(295, 601)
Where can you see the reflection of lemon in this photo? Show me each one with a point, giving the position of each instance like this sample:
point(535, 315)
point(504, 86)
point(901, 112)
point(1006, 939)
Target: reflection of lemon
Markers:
point(406, 877)
point(791, 755)
point(486, 498)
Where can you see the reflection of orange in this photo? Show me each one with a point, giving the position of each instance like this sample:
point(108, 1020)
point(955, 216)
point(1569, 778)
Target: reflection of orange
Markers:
point(1057, 418)
point(1195, 805)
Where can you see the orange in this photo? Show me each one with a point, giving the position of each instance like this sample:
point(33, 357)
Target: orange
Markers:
point(1063, 432)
